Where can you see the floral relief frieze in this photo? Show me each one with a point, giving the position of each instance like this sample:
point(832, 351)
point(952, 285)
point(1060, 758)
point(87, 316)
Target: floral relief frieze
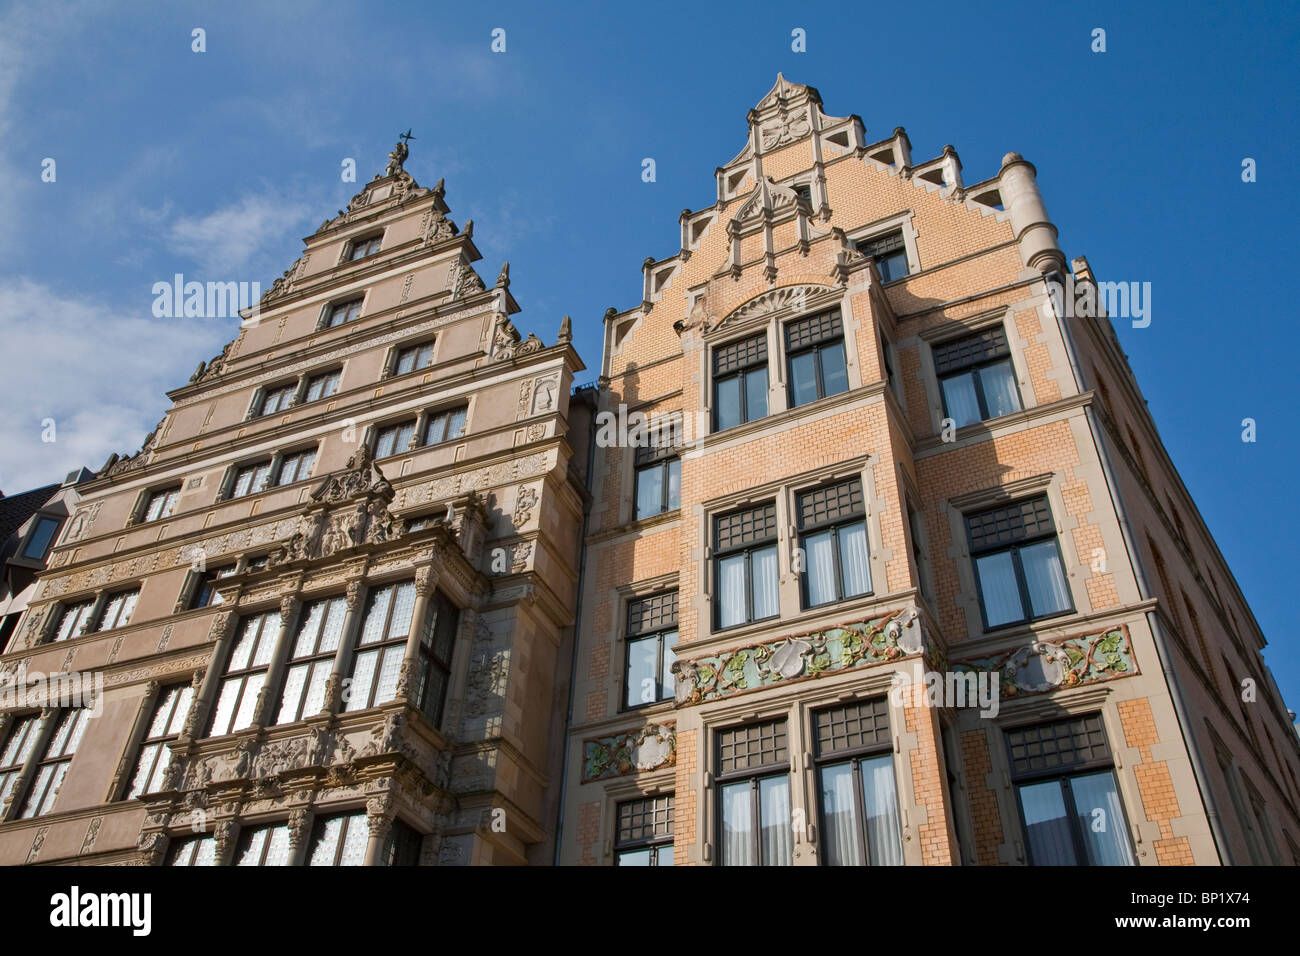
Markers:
point(1044, 666)
point(633, 751)
point(864, 643)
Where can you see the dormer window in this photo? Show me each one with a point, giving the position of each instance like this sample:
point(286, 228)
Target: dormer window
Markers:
point(41, 537)
point(363, 247)
point(804, 192)
point(341, 312)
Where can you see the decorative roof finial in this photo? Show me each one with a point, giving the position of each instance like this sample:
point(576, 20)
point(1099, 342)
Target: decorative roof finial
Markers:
point(398, 156)
point(566, 331)
point(503, 279)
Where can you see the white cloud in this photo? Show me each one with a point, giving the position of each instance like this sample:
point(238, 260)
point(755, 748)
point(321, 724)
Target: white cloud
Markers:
point(228, 239)
point(99, 372)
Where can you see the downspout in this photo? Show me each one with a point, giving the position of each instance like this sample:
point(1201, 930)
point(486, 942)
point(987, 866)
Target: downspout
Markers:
point(1144, 592)
point(577, 627)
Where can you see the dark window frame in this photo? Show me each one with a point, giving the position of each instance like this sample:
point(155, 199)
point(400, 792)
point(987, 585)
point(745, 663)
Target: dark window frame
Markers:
point(1014, 547)
point(833, 524)
point(824, 756)
point(413, 350)
point(323, 378)
point(368, 245)
point(884, 246)
point(662, 622)
point(437, 645)
point(999, 353)
point(651, 807)
point(659, 452)
point(447, 416)
point(396, 429)
point(168, 497)
point(349, 308)
point(815, 347)
point(40, 519)
point(740, 370)
point(747, 546)
point(754, 774)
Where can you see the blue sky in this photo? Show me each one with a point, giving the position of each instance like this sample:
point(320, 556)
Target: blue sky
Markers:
point(216, 164)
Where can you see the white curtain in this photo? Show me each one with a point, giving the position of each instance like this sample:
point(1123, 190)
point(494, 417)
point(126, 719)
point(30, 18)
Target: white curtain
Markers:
point(1000, 395)
point(1103, 832)
point(737, 826)
point(774, 810)
point(1047, 589)
point(959, 399)
point(765, 583)
point(998, 586)
point(839, 811)
point(880, 799)
point(731, 590)
point(854, 560)
point(1046, 825)
point(821, 568)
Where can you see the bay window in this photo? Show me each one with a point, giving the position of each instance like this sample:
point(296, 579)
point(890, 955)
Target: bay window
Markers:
point(833, 535)
point(745, 572)
point(976, 377)
point(754, 820)
point(740, 382)
point(855, 777)
point(815, 357)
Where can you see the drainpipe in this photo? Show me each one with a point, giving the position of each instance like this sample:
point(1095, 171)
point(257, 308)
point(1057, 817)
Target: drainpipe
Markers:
point(577, 624)
point(1144, 591)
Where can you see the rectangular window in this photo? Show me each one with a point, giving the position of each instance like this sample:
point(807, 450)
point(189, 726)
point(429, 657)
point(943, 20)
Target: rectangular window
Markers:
point(74, 620)
point(339, 841)
point(754, 821)
point(277, 399)
point(745, 566)
point(436, 644)
point(169, 715)
point(118, 609)
point(855, 777)
point(401, 846)
point(1069, 802)
point(41, 537)
point(394, 439)
point(205, 593)
point(18, 747)
point(54, 764)
point(739, 382)
point(833, 535)
point(323, 385)
point(414, 358)
point(814, 349)
point(445, 425)
point(365, 246)
point(342, 312)
point(245, 673)
point(296, 466)
point(250, 479)
point(651, 639)
point(264, 846)
point(659, 472)
point(382, 645)
point(976, 377)
point(1018, 566)
point(161, 504)
point(644, 832)
point(312, 659)
point(193, 851)
point(890, 253)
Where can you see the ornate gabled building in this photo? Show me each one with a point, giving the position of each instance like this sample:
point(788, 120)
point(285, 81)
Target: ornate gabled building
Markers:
point(899, 571)
point(331, 599)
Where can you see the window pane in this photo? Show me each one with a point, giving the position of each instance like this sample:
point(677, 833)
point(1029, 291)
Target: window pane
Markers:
point(665, 855)
point(642, 667)
point(1101, 819)
point(674, 484)
point(363, 672)
point(667, 680)
point(252, 687)
point(803, 379)
point(354, 841)
point(820, 563)
point(39, 542)
point(854, 560)
point(389, 669)
point(839, 814)
point(731, 591)
point(456, 423)
point(327, 842)
point(997, 577)
point(1046, 826)
point(1048, 592)
point(756, 394)
point(294, 682)
point(737, 826)
point(726, 405)
point(765, 583)
point(437, 431)
point(1000, 394)
point(634, 858)
point(893, 266)
point(774, 811)
point(835, 378)
point(880, 802)
point(959, 399)
point(649, 491)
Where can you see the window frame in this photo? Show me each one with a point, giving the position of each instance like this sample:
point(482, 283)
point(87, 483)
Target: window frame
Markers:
point(1014, 548)
point(852, 755)
point(250, 669)
point(286, 394)
point(309, 380)
point(428, 659)
point(719, 553)
point(321, 824)
point(396, 427)
point(754, 775)
point(66, 745)
point(668, 624)
point(169, 496)
point(834, 526)
point(157, 748)
point(364, 241)
point(236, 472)
point(332, 308)
point(39, 519)
point(413, 349)
point(446, 415)
point(248, 834)
point(381, 646)
point(815, 348)
point(741, 373)
point(282, 459)
point(1004, 355)
point(883, 236)
point(660, 452)
point(657, 840)
point(312, 659)
point(11, 772)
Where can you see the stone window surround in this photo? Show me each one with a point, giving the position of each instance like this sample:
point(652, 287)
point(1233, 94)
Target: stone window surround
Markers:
point(1034, 710)
point(389, 368)
point(656, 783)
point(300, 391)
point(967, 597)
point(797, 710)
point(54, 611)
point(773, 328)
point(784, 491)
point(371, 433)
point(276, 462)
point(627, 471)
point(621, 597)
point(958, 328)
point(322, 322)
point(350, 243)
point(901, 221)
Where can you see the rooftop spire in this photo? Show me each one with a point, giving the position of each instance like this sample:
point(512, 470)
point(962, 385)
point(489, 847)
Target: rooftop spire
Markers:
point(398, 156)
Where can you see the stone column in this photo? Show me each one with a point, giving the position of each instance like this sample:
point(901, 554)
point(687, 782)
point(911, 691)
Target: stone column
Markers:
point(222, 633)
point(226, 835)
point(117, 787)
point(356, 593)
point(380, 813)
point(300, 826)
point(290, 607)
point(44, 731)
point(1018, 186)
point(425, 581)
